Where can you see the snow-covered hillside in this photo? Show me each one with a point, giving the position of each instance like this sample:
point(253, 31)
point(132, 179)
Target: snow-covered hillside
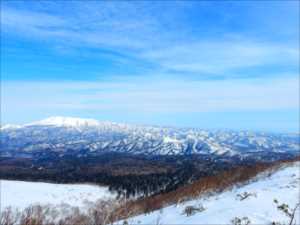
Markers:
point(88, 136)
point(259, 207)
point(20, 194)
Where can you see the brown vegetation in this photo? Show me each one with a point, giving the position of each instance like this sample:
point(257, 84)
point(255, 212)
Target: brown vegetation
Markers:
point(206, 185)
point(105, 212)
point(100, 213)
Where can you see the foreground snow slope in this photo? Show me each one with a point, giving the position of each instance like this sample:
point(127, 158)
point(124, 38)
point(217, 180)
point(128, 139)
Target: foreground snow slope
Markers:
point(20, 194)
point(222, 208)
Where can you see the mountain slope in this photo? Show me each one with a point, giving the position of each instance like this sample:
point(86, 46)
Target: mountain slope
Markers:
point(259, 207)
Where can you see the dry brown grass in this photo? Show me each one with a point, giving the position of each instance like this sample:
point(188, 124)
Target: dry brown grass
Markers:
point(100, 213)
point(105, 212)
point(206, 185)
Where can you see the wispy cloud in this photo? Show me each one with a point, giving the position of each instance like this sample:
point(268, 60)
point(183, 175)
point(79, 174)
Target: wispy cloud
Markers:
point(140, 31)
point(149, 58)
point(150, 97)
point(107, 25)
point(221, 57)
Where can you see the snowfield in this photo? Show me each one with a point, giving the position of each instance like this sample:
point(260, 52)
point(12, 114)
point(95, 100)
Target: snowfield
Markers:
point(20, 194)
point(259, 207)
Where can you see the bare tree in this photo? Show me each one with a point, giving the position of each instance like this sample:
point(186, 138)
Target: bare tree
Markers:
point(289, 212)
point(9, 216)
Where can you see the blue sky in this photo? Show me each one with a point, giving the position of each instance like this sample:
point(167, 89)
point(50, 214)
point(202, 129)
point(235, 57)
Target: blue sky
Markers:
point(207, 64)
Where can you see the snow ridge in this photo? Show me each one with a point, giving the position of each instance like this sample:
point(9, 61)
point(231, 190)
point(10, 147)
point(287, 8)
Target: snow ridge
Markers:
point(65, 121)
point(61, 133)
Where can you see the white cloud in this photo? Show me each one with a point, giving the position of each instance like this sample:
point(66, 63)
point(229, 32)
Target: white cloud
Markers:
point(160, 38)
point(179, 41)
point(151, 96)
point(219, 57)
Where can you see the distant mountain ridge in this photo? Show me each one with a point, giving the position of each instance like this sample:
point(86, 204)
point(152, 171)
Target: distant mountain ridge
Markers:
point(81, 137)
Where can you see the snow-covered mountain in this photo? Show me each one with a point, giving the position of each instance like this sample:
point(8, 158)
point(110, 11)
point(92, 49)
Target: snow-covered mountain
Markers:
point(88, 136)
point(259, 202)
point(66, 121)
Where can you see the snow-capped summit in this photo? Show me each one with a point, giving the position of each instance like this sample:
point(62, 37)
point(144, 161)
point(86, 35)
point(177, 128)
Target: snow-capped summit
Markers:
point(66, 121)
point(10, 126)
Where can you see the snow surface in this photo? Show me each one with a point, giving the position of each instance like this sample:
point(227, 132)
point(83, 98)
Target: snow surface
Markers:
point(61, 133)
point(66, 121)
point(10, 126)
point(21, 194)
point(222, 208)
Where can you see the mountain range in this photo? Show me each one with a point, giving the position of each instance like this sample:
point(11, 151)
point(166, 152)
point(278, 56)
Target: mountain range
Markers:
point(82, 137)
